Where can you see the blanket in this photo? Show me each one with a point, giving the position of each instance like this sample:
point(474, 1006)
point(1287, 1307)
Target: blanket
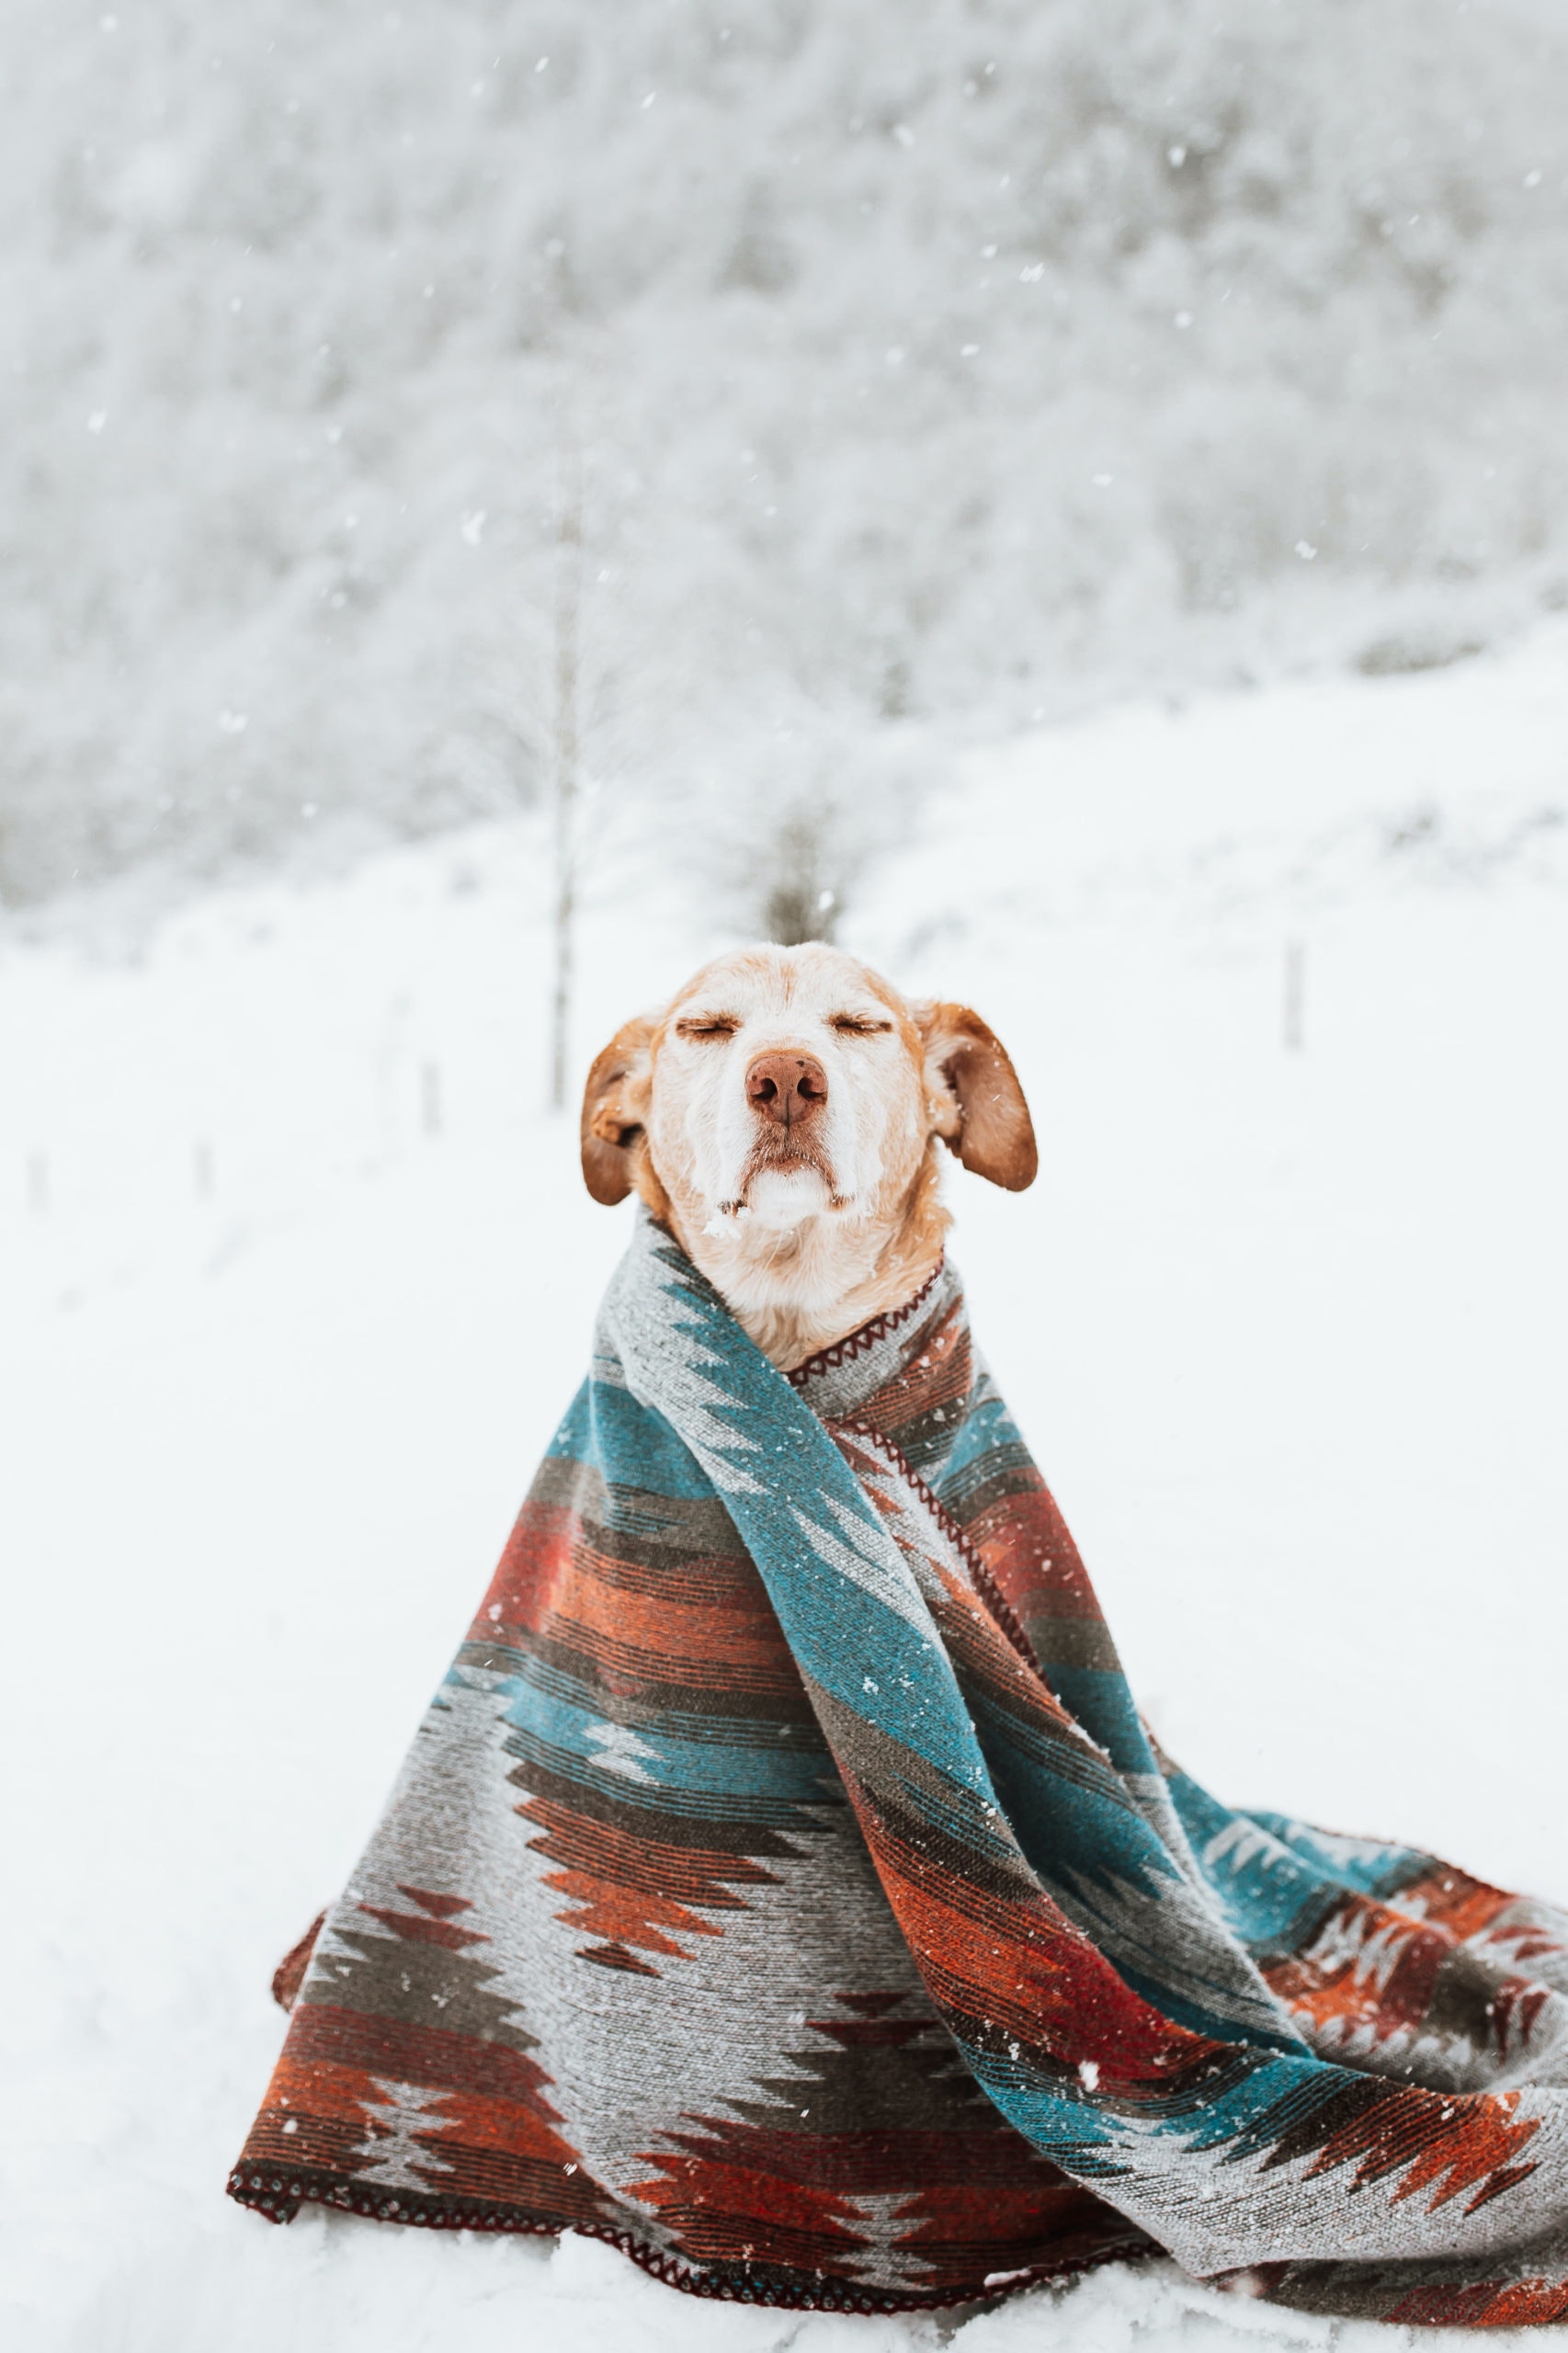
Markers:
point(784, 1886)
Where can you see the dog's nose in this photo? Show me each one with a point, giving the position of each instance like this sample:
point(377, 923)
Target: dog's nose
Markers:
point(787, 1088)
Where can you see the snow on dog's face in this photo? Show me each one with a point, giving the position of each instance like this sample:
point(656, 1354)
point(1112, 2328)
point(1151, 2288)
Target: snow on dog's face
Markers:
point(785, 1085)
point(779, 1115)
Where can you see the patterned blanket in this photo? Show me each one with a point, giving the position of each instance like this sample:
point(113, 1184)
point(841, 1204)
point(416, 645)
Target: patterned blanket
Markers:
point(783, 1886)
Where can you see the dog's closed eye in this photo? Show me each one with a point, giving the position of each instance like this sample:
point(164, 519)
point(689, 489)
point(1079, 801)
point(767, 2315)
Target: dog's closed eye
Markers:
point(857, 1024)
point(709, 1025)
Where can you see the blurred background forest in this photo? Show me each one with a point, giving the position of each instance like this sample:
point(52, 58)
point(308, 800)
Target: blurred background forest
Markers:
point(924, 371)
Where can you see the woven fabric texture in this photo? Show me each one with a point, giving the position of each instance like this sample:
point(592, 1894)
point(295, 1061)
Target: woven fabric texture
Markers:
point(784, 1886)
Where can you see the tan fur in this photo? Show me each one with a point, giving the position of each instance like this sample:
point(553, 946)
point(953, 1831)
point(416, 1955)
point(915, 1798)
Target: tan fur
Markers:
point(810, 1230)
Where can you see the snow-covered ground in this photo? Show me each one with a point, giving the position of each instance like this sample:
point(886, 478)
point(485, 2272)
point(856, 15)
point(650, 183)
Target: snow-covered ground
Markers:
point(297, 1276)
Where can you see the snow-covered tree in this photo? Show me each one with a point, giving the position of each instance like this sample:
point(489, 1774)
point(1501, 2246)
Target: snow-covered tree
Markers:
point(949, 361)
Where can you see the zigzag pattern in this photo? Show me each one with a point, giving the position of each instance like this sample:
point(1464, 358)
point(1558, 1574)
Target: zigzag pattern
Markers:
point(784, 1887)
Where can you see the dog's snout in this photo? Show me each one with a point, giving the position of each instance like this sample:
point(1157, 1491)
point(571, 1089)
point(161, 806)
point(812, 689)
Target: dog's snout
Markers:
point(787, 1088)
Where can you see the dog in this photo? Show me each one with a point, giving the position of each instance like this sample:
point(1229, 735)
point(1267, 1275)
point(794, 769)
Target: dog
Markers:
point(780, 1117)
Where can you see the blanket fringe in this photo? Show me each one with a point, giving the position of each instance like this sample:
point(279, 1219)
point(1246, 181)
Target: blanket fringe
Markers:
point(277, 2196)
point(857, 1343)
point(984, 1584)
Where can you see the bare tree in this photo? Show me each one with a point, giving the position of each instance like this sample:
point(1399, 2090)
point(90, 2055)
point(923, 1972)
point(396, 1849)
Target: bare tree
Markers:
point(798, 901)
point(566, 742)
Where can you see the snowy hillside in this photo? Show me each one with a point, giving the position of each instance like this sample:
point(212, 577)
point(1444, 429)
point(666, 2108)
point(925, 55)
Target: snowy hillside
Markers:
point(938, 363)
point(297, 1278)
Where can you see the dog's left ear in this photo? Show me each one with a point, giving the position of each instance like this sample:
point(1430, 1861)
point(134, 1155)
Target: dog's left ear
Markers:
point(615, 1105)
point(972, 1082)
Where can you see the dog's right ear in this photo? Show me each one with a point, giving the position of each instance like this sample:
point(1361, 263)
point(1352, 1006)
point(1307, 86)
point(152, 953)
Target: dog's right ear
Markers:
point(615, 1105)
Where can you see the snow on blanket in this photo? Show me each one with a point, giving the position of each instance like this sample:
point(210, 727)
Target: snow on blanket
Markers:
point(785, 1831)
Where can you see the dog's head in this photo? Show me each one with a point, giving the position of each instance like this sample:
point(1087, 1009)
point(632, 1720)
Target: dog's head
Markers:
point(780, 1110)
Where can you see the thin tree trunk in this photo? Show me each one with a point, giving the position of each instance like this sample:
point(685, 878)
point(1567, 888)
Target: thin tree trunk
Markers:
point(567, 747)
point(1295, 995)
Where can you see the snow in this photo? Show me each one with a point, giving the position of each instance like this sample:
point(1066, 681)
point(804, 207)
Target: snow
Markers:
point(288, 1320)
point(947, 359)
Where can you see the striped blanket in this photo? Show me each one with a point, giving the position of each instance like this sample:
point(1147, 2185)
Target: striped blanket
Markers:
point(783, 1886)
